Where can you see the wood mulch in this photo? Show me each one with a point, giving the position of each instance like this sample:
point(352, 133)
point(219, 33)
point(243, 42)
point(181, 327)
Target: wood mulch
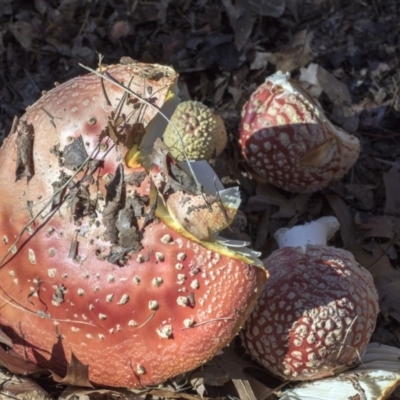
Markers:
point(346, 53)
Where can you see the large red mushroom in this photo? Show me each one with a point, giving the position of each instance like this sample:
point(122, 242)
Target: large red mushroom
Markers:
point(316, 312)
point(91, 263)
point(287, 140)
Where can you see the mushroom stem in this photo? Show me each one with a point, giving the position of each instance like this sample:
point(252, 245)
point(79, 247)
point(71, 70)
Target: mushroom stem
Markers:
point(317, 232)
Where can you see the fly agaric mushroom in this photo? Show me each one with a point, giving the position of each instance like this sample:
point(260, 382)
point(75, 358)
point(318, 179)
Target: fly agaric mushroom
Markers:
point(317, 311)
point(195, 132)
point(89, 265)
point(287, 140)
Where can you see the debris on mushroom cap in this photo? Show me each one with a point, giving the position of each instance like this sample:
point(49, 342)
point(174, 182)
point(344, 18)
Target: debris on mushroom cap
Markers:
point(195, 132)
point(315, 314)
point(287, 140)
point(89, 263)
point(376, 378)
point(201, 214)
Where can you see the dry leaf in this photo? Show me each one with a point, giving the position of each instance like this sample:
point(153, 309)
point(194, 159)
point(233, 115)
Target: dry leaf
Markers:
point(241, 21)
point(339, 94)
point(77, 374)
point(16, 364)
point(21, 386)
point(391, 180)
point(295, 54)
point(169, 394)
point(114, 200)
point(266, 8)
point(22, 31)
point(387, 281)
point(348, 230)
point(209, 374)
point(121, 218)
point(362, 193)
point(381, 226)
point(386, 278)
point(75, 154)
point(268, 195)
point(246, 386)
point(74, 393)
point(336, 90)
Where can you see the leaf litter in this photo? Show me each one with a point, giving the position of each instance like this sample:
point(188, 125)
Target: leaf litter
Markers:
point(344, 53)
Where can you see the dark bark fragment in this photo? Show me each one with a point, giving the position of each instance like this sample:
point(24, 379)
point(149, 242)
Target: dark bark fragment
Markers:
point(75, 154)
point(25, 166)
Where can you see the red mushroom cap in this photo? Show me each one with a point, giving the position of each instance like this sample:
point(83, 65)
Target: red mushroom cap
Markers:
point(315, 314)
point(287, 140)
point(86, 267)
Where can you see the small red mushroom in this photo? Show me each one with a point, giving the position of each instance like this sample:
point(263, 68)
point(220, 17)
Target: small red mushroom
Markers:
point(287, 140)
point(89, 265)
point(316, 312)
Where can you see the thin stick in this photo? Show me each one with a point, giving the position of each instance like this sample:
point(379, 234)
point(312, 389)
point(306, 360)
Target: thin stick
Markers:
point(148, 103)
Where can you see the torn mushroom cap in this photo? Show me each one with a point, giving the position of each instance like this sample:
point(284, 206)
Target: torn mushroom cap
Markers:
point(191, 198)
point(200, 213)
point(288, 141)
point(316, 312)
point(195, 132)
point(376, 378)
point(94, 272)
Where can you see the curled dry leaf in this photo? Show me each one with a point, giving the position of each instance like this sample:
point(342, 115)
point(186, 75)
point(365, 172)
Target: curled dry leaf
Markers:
point(77, 374)
point(90, 265)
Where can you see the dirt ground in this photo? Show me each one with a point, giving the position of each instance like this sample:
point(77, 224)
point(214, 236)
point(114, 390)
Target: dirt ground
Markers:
point(346, 53)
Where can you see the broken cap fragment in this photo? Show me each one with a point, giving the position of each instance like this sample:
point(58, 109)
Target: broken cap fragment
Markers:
point(288, 141)
point(375, 378)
